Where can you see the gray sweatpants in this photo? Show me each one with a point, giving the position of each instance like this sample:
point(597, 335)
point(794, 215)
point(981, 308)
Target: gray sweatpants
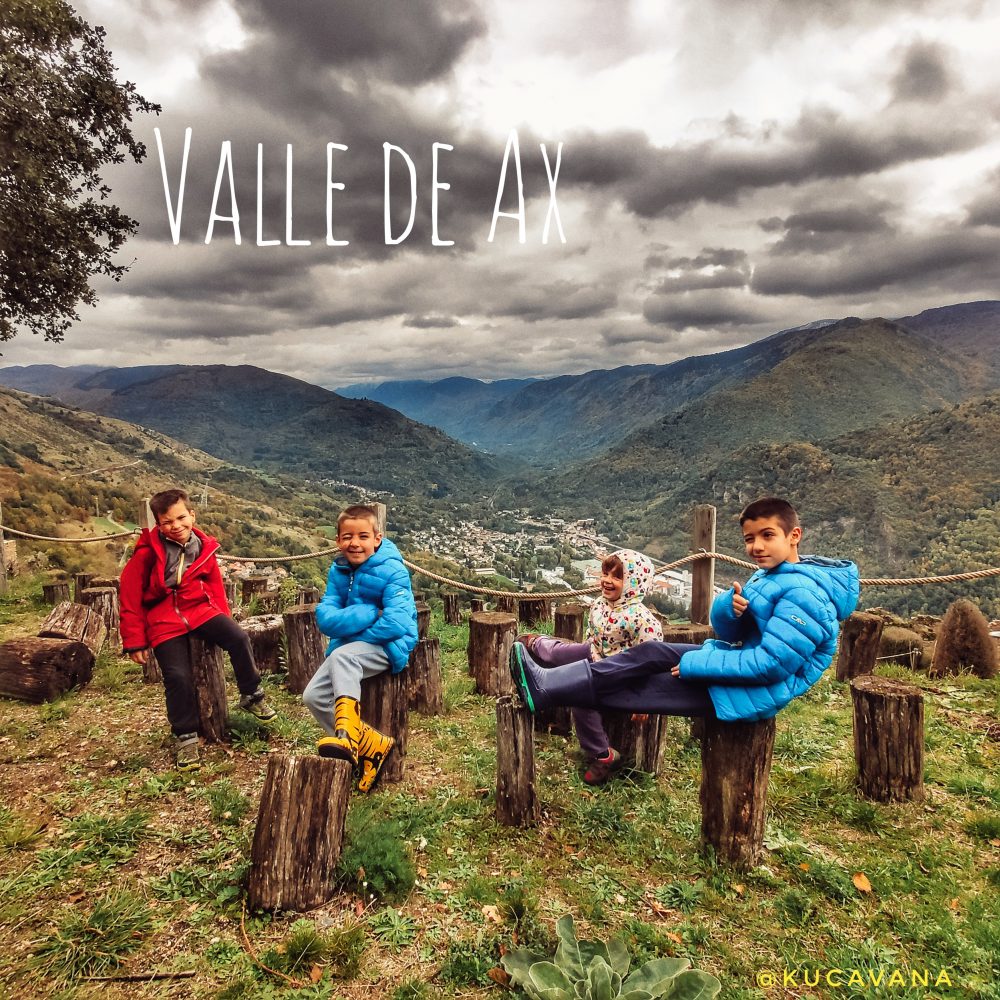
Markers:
point(340, 676)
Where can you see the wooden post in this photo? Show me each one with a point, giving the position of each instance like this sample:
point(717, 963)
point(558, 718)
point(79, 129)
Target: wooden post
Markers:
point(640, 743)
point(517, 800)
point(81, 581)
point(104, 600)
point(702, 571)
point(306, 646)
point(144, 516)
point(299, 834)
point(37, 670)
point(308, 595)
point(424, 676)
point(859, 640)
point(735, 768)
point(888, 738)
point(476, 604)
point(506, 604)
point(52, 593)
point(232, 591)
point(569, 622)
point(452, 611)
point(210, 689)
point(381, 513)
point(531, 610)
point(254, 586)
point(491, 634)
point(267, 633)
point(3, 557)
point(385, 706)
point(423, 619)
point(77, 622)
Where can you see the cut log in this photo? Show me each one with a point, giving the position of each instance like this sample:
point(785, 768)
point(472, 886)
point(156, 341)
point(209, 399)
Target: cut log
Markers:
point(888, 739)
point(81, 581)
point(151, 673)
point(532, 610)
point(640, 743)
point(232, 592)
point(299, 835)
point(55, 593)
point(267, 635)
point(306, 646)
point(506, 604)
point(37, 670)
point(106, 581)
point(424, 676)
point(476, 604)
point(308, 595)
point(569, 622)
point(735, 769)
point(209, 676)
point(452, 610)
point(104, 600)
point(517, 800)
point(860, 636)
point(385, 706)
point(254, 586)
point(423, 619)
point(695, 635)
point(77, 622)
point(491, 634)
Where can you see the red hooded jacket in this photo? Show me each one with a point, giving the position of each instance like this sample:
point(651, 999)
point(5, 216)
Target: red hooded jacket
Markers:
point(151, 612)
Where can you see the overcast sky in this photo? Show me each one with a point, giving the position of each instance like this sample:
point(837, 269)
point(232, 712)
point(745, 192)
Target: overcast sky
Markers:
point(728, 170)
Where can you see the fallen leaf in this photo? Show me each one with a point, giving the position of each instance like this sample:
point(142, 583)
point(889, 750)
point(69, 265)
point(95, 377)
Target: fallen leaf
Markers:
point(995, 841)
point(804, 866)
point(861, 882)
point(316, 973)
point(658, 908)
point(676, 938)
point(498, 975)
point(492, 913)
point(953, 904)
point(739, 889)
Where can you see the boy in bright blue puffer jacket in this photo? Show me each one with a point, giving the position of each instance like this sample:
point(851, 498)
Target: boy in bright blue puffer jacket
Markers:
point(369, 613)
point(775, 636)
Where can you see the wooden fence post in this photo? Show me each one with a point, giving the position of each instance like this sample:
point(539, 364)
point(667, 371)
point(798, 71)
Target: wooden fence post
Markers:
point(424, 678)
point(52, 593)
point(299, 834)
point(306, 646)
point(735, 768)
point(888, 738)
point(857, 654)
point(81, 581)
point(569, 622)
point(3, 557)
point(703, 570)
point(491, 634)
point(423, 619)
point(476, 604)
point(254, 586)
point(533, 609)
point(452, 611)
point(517, 800)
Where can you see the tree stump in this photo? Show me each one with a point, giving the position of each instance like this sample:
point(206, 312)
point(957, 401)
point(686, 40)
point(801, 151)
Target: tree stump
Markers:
point(476, 604)
point(254, 586)
point(267, 633)
point(506, 604)
point(299, 835)
point(55, 593)
point(424, 674)
point(517, 800)
point(104, 601)
point(423, 619)
point(534, 609)
point(232, 592)
point(491, 634)
point(306, 646)
point(308, 595)
point(385, 706)
point(151, 673)
point(735, 768)
point(37, 670)
point(888, 739)
point(106, 581)
point(569, 622)
point(860, 636)
point(452, 610)
point(209, 677)
point(695, 635)
point(77, 622)
point(639, 743)
point(81, 581)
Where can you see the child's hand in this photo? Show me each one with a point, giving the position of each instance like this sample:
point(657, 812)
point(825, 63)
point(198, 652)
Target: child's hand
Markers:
point(139, 656)
point(676, 671)
point(740, 603)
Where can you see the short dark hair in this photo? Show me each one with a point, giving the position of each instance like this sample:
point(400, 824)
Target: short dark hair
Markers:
point(772, 507)
point(160, 503)
point(358, 511)
point(613, 565)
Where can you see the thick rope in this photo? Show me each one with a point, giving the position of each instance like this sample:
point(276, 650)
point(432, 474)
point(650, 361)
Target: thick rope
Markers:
point(48, 538)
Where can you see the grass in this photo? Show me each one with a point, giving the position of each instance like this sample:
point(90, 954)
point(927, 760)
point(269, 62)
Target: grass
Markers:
point(111, 860)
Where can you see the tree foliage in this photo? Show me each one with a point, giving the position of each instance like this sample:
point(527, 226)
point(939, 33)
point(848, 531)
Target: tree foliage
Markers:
point(63, 118)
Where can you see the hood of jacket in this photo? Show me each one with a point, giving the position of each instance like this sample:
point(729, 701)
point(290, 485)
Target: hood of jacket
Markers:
point(837, 578)
point(637, 576)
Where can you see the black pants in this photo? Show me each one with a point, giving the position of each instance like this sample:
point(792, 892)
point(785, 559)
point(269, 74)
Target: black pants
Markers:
point(174, 659)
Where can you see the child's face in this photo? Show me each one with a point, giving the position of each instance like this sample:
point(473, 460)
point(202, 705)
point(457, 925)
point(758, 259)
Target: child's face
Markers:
point(177, 523)
point(358, 539)
point(612, 584)
point(768, 545)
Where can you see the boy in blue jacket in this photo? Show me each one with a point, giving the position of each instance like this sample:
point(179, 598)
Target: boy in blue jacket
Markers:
point(775, 636)
point(369, 613)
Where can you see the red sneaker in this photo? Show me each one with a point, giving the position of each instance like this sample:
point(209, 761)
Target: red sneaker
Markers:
point(601, 768)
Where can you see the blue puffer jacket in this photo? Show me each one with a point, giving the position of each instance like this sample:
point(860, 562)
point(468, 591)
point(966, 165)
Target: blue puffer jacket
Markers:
point(778, 648)
point(371, 603)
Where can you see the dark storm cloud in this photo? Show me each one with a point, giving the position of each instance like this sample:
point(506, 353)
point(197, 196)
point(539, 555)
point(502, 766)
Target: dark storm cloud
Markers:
point(714, 267)
point(431, 322)
point(984, 208)
point(702, 311)
point(925, 74)
point(555, 300)
point(822, 229)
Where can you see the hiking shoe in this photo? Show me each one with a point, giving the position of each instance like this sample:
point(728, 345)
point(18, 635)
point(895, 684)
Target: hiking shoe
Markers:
point(601, 768)
point(187, 753)
point(373, 751)
point(256, 705)
point(343, 744)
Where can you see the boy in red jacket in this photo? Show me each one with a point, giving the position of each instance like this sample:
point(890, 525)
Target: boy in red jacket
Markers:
point(170, 587)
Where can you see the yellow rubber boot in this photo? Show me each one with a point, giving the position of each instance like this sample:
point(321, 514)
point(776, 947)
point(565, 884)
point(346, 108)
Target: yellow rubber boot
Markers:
point(347, 725)
point(373, 749)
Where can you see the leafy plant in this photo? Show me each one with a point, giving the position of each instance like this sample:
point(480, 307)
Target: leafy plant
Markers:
point(393, 927)
point(595, 970)
point(18, 832)
point(375, 860)
point(227, 803)
point(681, 895)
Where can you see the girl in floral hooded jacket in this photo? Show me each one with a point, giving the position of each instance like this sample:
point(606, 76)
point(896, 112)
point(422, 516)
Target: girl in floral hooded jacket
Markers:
point(618, 620)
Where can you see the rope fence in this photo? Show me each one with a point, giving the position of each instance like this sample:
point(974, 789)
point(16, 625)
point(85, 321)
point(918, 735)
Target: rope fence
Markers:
point(916, 581)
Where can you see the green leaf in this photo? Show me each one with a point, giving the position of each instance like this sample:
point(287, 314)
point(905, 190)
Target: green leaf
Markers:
point(618, 956)
point(635, 995)
point(599, 978)
point(654, 977)
point(546, 976)
point(568, 956)
point(693, 985)
point(518, 963)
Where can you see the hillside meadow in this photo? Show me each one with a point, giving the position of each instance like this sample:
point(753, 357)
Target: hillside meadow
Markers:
point(114, 865)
